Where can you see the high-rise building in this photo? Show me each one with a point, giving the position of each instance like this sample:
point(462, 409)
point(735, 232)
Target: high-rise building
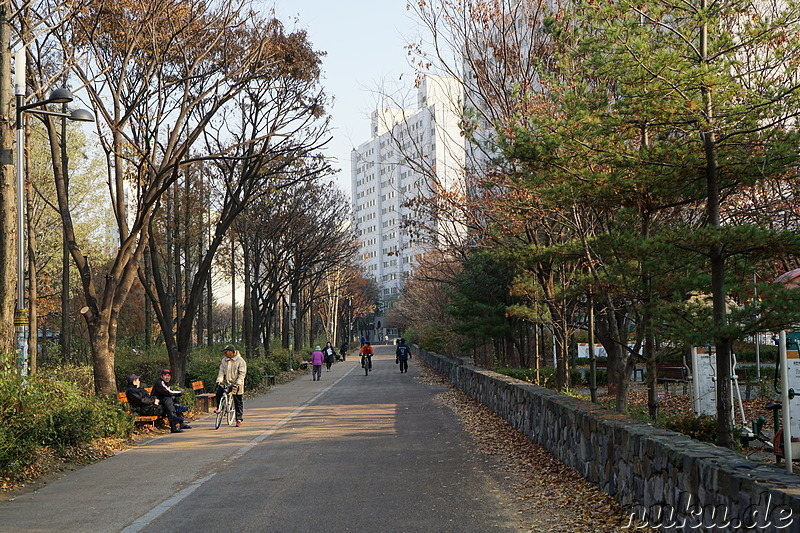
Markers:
point(412, 153)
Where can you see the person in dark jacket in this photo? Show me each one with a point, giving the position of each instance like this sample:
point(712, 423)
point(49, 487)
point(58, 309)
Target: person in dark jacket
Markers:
point(169, 400)
point(141, 401)
point(403, 353)
point(330, 355)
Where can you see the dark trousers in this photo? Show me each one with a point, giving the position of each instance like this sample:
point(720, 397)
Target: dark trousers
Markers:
point(403, 365)
point(168, 403)
point(238, 403)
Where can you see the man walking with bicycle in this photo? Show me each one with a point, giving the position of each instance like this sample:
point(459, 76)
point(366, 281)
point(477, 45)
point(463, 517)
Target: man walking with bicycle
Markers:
point(232, 371)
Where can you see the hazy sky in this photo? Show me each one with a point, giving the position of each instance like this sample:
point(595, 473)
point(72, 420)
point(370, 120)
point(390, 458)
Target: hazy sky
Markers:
point(365, 43)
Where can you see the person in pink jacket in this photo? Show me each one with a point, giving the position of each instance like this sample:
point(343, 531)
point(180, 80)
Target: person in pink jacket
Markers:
point(317, 359)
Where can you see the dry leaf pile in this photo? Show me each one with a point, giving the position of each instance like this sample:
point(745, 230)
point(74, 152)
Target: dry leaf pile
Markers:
point(50, 465)
point(549, 496)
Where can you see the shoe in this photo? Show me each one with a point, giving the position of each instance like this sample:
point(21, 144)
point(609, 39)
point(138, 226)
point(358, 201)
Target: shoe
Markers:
point(238, 423)
point(176, 430)
point(186, 426)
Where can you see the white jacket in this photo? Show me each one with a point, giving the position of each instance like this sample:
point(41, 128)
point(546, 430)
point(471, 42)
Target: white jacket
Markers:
point(233, 371)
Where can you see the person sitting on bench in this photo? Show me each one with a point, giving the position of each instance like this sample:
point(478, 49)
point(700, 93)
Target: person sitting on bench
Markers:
point(168, 398)
point(141, 401)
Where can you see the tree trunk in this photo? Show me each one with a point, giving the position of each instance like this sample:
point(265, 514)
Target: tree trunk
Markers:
point(8, 209)
point(247, 311)
point(209, 316)
point(562, 354)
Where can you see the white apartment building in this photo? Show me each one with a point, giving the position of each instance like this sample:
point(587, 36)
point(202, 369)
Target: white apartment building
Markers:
point(411, 152)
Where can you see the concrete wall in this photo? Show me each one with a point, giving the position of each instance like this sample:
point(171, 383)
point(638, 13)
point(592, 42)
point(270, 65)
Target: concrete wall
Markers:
point(669, 480)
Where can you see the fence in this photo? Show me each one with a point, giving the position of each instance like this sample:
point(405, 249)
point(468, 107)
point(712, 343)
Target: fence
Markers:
point(665, 478)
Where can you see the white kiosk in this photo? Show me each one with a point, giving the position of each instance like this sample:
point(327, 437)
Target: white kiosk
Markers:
point(704, 380)
point(704, 383)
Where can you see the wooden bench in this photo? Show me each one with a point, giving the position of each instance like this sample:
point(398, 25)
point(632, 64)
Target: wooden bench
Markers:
point(123, 399)
point(205, 400)
point(672, 374)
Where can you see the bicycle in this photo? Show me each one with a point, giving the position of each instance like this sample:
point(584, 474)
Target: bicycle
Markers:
point(226, 407)
point(366, 362)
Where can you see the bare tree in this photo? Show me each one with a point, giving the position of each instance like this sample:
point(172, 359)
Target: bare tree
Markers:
point(261, 140)
point(157, 74)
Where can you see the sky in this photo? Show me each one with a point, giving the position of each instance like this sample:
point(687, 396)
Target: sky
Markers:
point(365, 43)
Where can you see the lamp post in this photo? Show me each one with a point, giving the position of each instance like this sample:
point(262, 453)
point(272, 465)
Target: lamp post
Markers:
point(292, 320)
point(57, 96)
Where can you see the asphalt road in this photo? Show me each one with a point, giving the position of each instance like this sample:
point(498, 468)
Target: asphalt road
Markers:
point(350, 452)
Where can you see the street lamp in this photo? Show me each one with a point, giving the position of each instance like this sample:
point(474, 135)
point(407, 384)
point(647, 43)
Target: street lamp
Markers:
point(292, 321)
point(57, 96)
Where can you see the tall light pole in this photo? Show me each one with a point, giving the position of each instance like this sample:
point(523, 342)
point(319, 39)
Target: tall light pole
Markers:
point(57, 96)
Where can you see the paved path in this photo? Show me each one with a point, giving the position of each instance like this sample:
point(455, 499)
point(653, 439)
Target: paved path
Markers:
point(348, 453)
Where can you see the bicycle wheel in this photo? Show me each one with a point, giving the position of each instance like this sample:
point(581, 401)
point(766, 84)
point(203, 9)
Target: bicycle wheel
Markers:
point(222, 408)
point(366, 366)
point(231, 412)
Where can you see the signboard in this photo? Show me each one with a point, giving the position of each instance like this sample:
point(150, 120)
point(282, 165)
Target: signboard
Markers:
point(583, 350)
point(599, 350)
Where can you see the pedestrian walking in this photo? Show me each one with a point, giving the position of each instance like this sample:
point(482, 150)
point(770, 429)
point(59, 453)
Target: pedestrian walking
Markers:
point(232, 371)
point(403, 354)
point(316, 364)
point(330, 355)
point(343, 351)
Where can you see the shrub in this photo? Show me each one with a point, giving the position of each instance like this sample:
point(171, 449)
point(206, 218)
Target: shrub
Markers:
point(43, 412)
point(204, 365)
point(411, 336)
point(147, 364)
point(767, 353)
point(700, 427)
point(547, 375)
point(434, 338)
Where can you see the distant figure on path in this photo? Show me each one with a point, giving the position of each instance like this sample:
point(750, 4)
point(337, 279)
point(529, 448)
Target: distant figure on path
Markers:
point(330, 355)
point(317, 357)
point(403, 353)
point(366, 354)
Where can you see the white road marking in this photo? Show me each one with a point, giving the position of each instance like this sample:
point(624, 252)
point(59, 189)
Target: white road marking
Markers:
point(145, 520)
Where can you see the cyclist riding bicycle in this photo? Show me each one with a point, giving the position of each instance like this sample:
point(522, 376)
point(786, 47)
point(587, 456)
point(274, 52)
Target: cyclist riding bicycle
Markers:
point(366, 354)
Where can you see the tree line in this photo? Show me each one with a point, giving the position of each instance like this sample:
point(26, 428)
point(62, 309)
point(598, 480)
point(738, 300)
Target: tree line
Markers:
point(632, 176)
point(210, 126)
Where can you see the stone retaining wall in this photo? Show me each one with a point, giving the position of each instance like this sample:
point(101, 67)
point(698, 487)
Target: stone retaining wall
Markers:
point(671, 481)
